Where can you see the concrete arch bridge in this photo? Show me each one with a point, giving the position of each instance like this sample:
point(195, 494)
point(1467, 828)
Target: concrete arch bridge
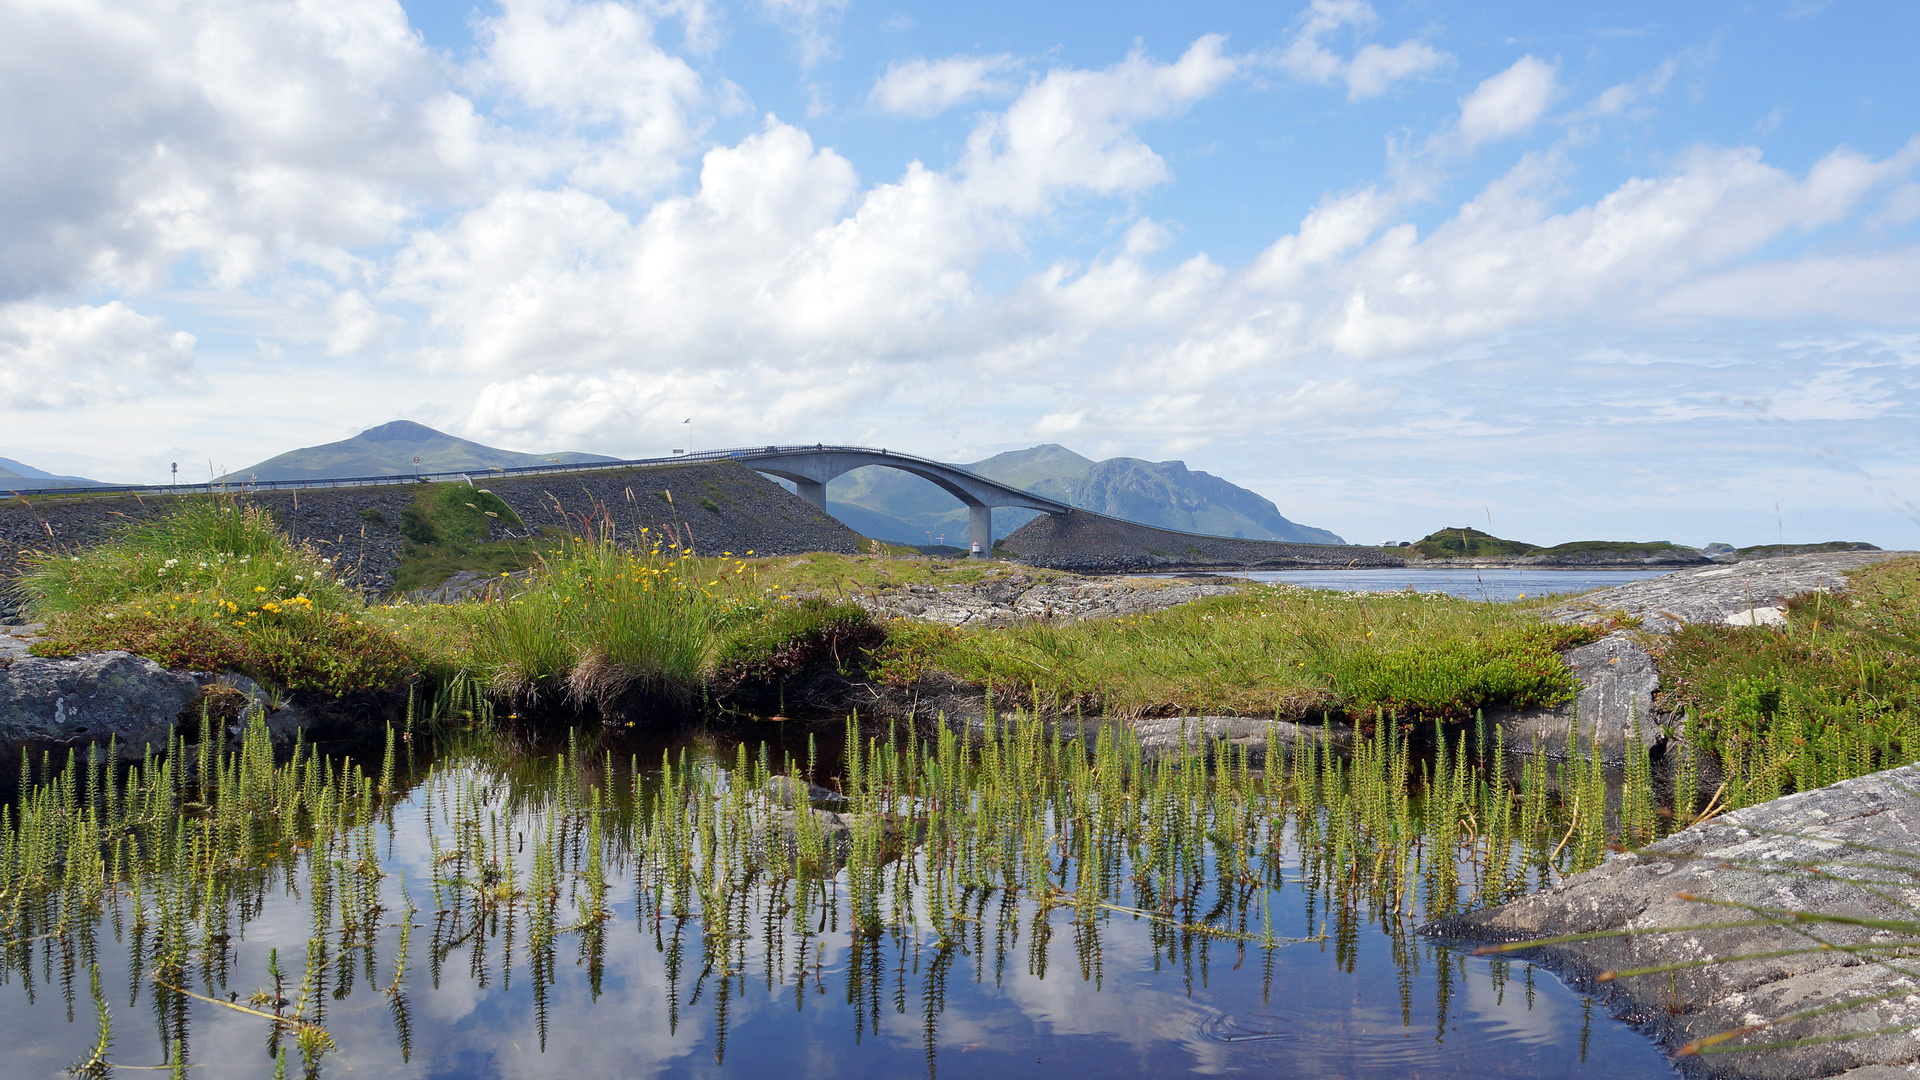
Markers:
point(811, 467)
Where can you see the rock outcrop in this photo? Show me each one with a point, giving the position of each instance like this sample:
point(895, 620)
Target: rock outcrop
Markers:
point(1615, 708)
point(1748, 593)
point(1847, 855)
point(93, 698)
point(1012, 596)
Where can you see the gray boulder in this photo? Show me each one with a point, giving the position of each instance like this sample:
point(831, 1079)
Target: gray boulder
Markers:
point(1744, 594)
point(91, 699)
point(781, 831)
point(1615, 705)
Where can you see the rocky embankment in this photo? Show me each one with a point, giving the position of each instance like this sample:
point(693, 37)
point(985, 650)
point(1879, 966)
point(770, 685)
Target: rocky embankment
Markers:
point(1091, 544)
point(134, 704)
point(1847, 855)
point(715, 506)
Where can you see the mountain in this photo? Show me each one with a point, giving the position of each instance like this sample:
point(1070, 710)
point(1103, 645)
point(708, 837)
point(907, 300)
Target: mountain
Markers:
point(389, 450)
point(891, 505)
point(15, 476)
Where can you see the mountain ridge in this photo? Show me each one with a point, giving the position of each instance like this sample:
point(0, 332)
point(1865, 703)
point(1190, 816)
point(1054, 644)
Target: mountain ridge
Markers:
point(389, 450)
point(897, 507)
point(19, 476)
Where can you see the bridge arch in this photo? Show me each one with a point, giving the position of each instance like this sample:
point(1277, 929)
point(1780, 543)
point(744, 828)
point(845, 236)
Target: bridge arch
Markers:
point(811, 467)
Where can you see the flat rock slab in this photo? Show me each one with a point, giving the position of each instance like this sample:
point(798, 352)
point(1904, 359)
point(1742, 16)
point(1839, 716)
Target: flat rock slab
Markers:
point(1751, 593)
point(1851, 850)
point(16, 641)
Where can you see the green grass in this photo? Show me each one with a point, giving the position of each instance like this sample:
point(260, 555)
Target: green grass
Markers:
point(448, 529)
point(761, 650)
point(1615, 547)
point(1271, 651)
point(215, 586)
point(594, 622)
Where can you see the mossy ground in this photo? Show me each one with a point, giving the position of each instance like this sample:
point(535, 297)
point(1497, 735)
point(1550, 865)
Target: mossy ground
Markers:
point(1271, 651)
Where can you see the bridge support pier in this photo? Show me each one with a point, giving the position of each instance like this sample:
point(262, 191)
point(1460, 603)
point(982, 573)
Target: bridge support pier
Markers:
point(814, 492)
point(980, 530)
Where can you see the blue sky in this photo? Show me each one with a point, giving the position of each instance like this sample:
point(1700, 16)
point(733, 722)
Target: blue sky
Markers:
point(1644, 274)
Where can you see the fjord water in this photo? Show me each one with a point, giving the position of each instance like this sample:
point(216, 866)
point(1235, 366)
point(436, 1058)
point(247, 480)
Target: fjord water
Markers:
point(1495, 585)
point(606, 947)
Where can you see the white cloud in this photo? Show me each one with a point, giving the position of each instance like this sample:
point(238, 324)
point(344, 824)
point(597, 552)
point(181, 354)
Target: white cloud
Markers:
point(1507, 104)
point(1073, 130)
point(356, 325)
point(1374, 68)
point(926, 88)
point(250, 136)
point(54, 357)
point(1621, 97)
point(812, 24)
point(779, 253)
point(622, 102)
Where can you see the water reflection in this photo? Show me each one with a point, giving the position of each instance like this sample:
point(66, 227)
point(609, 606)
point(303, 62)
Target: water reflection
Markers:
point(1027, 908)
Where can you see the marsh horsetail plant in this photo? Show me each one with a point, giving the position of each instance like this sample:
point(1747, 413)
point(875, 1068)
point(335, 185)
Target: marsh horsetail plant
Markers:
point(962, 842)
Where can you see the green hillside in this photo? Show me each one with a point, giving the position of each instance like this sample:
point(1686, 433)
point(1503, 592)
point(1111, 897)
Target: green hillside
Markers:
point(15, 476)
point(389, 450)
point(897, 507)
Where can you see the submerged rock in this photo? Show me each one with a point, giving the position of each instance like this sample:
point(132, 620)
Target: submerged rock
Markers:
point(793, 791)
point(1171, 736)
point(1850, 851)
point(91, 699)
